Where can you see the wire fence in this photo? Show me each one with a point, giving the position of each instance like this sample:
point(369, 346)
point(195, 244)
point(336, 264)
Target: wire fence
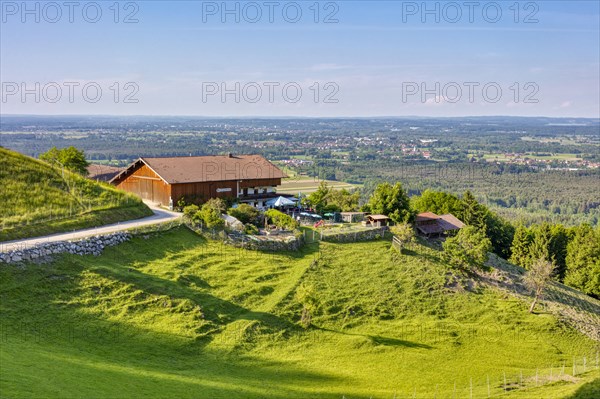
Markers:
point(505, 382)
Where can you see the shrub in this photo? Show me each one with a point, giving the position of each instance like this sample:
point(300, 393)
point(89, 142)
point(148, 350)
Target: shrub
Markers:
point(190, 211)
point(280, 219)
point(210, 213)
point(245, 213)
point(250, 229)
point(404, 233)
point(217, 204)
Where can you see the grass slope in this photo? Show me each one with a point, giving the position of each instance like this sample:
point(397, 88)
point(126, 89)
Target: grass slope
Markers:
point(39, 199)
point(174, 315)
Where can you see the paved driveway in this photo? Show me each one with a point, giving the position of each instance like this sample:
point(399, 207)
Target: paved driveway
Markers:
point(160, 216)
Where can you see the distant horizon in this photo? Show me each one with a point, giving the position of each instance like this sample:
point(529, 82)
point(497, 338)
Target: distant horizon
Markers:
point(301, 116)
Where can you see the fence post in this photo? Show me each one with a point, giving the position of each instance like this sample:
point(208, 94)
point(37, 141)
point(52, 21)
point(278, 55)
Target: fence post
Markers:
point(521, 379)
point(471, 387)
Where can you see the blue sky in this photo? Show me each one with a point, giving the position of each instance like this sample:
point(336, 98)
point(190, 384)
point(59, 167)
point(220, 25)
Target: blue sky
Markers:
point(381, 58)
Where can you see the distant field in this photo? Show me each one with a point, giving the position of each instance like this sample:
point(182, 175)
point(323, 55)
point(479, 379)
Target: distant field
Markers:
point(500, 157)
point(173, 315)
point(306, 185)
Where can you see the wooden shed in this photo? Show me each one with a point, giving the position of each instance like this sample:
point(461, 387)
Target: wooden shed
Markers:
point(430, 224)
point(247, 178)
point(353, 217)
point(378, 220)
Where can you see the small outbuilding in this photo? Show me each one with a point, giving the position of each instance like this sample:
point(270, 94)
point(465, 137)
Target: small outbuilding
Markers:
point(378, 220)
point(353, 217)
point(430, 224)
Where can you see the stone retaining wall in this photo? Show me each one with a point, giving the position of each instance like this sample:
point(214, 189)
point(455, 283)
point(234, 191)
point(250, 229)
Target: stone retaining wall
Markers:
point(355, 236)
point(289, 244)
point(87, 246)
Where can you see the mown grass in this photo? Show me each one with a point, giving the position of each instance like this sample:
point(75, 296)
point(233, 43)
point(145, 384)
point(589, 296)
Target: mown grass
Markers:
point(39, 199)
point(174, 315)
point(307, 185)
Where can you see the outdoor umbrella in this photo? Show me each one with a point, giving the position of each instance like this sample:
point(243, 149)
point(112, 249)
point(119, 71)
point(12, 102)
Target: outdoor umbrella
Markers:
point(280, 201)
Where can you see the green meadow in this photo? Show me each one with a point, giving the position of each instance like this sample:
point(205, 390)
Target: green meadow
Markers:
point(39, 199)
point(172, 314)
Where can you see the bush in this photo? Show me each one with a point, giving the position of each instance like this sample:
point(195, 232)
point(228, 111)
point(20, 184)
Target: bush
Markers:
point(190, 211)
point(211, 212)
point(404, 233)
point(250, 229)
point(217, 204)
point(280, 219)
point(245, 213)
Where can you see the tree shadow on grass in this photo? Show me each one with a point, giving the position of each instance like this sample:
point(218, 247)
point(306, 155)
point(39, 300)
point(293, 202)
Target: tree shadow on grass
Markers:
point(590, 390)
point(77, 353)
point(217, 310)
point(381, 340)
point(136, 361)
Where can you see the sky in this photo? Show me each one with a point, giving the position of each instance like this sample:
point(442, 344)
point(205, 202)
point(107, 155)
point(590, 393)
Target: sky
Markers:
point(303, 58)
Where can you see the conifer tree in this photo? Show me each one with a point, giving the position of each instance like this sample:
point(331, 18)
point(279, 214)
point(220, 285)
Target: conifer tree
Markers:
point(583, 261)
point(520, 247)
point(473, 214)
point(540, 247)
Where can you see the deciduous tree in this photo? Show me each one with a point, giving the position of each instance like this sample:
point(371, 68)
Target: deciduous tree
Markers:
point(537, 278)
point(70, 158)
point(391, 201)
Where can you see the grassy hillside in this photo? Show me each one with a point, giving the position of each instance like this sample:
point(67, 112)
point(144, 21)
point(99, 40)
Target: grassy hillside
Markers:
point(174, 315)
point(38, 199)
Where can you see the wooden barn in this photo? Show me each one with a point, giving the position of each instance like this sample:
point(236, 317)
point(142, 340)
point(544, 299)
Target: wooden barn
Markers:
point(250, 178)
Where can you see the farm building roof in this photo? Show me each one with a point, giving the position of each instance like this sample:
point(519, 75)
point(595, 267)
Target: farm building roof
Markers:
point(175, 170)
point(451, 222)
point(430, 223)
point(378, 217)
point(426, 216)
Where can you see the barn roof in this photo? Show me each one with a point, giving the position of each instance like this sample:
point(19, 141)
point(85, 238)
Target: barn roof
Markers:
point(378, 217)
point(426, 216)
point(175, 170)
point(450, 222)
point(430, 223)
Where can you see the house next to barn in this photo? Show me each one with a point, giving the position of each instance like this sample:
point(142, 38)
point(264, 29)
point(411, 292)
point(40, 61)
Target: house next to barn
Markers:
point(250, 178)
